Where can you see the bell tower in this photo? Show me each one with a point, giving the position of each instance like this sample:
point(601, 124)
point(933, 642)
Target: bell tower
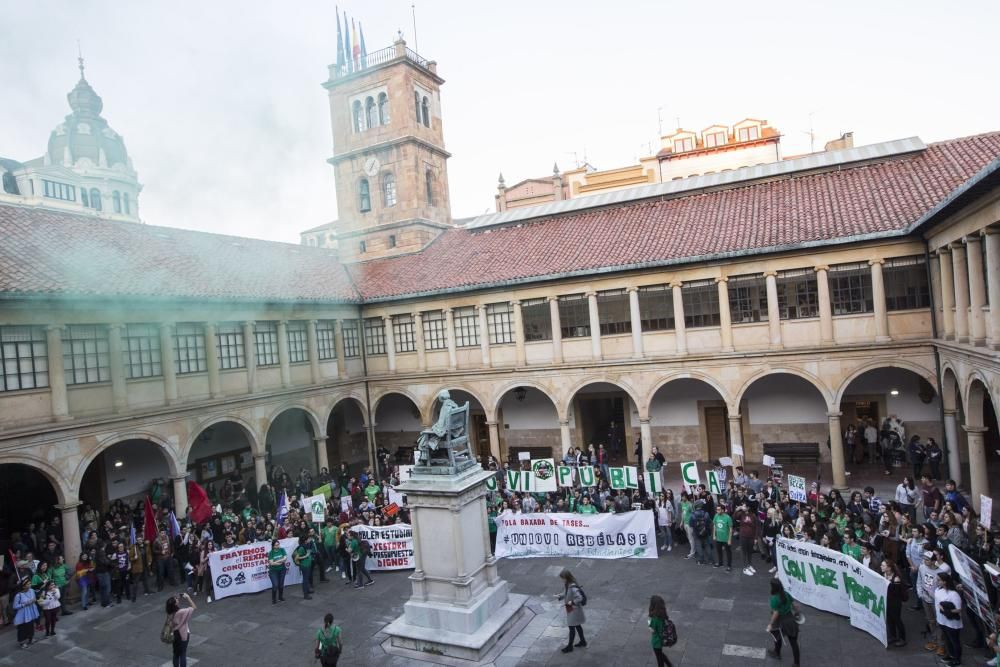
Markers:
point(388, 153)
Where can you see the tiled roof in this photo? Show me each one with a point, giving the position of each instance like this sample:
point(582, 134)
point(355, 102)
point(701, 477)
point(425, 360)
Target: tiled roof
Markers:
point(46, 253)
point(881, 198)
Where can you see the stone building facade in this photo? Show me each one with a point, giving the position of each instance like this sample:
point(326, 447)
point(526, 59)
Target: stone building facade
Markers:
point(700, 315)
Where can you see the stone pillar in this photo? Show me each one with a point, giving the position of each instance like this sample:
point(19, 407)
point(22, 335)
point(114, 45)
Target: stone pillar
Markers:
point(564, 437)
point(825, 305)
point(484, 335)
point(518, 335)
point(736, 439)
point(71, 532)
point(390, 343)
point(322, 460)
point(773, 313)
point(212, 360)
point(947, 293)
point(993, 283)
point(977, 288)
point(680, 333)
point(934, 269)
point(557, 355)
point(283, 361)
point(312, 345)
point(494, 428)
point(57, 374)
point(978, 480)
point(647, 441)
point(338, 346)
point(260, 469)
point(878, 302)
point(167, 362)
point(449, 330)
point(595, 326)
point(837, 451)
point(960, 271)
point(951, 441)
point(636, 317)
point(418, 334)
point(119, 390)
point(250, 355)
point(180, 495)
point(725, 319)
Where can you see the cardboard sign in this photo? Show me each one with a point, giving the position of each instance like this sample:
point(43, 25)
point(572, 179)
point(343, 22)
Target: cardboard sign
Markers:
point(738, 450)
point(524, 456)
point(316, 506)
point(985, 510)
point(543, 475)
point(726, 461)
point(713, 482)
point(491, 483)
point(626, 477)
point(404, 473)
point(564, 476)
point(768, 461)
point(518, 480)
point(797, 488)
point(586, 474)
point(391, 509)
point(689, 473)
point(654, 482)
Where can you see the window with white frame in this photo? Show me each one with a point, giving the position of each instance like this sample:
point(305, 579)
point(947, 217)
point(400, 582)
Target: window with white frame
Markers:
point(141, 350)
point(851, 288)
point(265, 339)
point(403, 333)
point(326, 343)
point(906, 283)
point(189, 348)
point(614, 312)
point(701, 304)
point(229, 338)
point(352, 339)
point(298, 342)
point(24, 360)
point(713, 139)
point(536, 318)
point(574, 316)
point(374, 336)
point(466, 326)
point(435, 330)
point(683, 144)
point(358, 115)
point(798, 295)
point(747, 298)
point(383, 108)
point(86, 358)
point(388, 189)
point(748, 133)
point(500, 322)
point(57, 190)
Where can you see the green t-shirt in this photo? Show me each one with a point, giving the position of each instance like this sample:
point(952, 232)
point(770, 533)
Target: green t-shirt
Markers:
point(723, 527)
point(370, 492)
point(328, 637)
point(354, 546)
point(276, 554)
point(39, 580)
point(852, 550)
point(330, 535)
point(656, 623)
point(304, 556)
point(841, 521)
point(491, 520)
point(783, 608)
point(59, 575)
point(686, 508)
point(587, 509)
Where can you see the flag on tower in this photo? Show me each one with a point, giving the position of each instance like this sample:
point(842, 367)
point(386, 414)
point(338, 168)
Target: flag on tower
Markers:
point(355, 45)
point(347, 42)
point(340, 42)
point(364, 51)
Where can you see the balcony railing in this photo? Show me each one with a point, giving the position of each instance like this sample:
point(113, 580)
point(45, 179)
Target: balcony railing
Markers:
point(376, 58)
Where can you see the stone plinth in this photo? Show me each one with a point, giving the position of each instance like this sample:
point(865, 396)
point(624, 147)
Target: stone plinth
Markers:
point(460, 606)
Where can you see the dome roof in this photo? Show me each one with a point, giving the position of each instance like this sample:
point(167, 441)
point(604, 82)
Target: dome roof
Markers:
point(84, 132)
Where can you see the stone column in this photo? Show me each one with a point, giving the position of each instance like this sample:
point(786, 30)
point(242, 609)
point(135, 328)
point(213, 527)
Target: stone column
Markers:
point(934, 269)
point(837, 451)
point(119, 390)
point(484, 335)
point(180, 495)
point(518, 335)
point(338, 347)
point(978, 480)
point(449, 330)
point(322, 460)
point(564, 437)
point(878, 302)
point(736, 438)
point(825, 305)
point(636, 317)
point(57, 374)
point(960, 271)
point(212, 360)
point(494, 428)
point(71, 531)
point(312, 345)
point(250, 355)
point(725, 319)
point(646, 434)
point(390, 343)
point(977, 288)
point(951, 441)
point(283, 361)
point(993, 283)
point(680, 333)
point(557, 355)
point(947, 293)
point(260, 469)
point(167, 362)
point(595, 326)
point(418, 335)
point(773, 313)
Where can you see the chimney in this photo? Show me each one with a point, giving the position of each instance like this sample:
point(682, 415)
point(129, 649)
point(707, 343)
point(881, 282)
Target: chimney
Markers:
point(846, 140)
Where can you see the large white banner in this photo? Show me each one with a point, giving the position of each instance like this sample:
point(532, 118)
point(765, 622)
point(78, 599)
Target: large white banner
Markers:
point(243, 569)
point(834, 582)
point(392, 546)
point(628, 535)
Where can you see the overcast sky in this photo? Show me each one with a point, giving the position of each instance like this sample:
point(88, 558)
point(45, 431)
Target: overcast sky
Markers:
point(222, 111)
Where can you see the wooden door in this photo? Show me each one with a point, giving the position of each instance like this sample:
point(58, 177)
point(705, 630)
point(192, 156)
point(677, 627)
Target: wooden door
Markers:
point(717, 432)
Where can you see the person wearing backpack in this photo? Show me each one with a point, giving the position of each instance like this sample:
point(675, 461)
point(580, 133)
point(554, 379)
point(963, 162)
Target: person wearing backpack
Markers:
point(574, 599)
point(664, 633)
point(700, 528)
point(328, 643)
point(783, 612)
point(360, 550)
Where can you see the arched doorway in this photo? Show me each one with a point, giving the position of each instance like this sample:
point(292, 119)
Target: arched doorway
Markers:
point(689, 421)
point(397, 426)
point(783, 407)
point(602, 412)
point(527, 421)
point(347, 441)
point(223, 451)
point(128, 470)
point(290, 444)
point(27, 504)
point(981, 440)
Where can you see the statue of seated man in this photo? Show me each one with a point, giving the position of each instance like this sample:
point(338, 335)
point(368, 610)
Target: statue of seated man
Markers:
point(432, 438)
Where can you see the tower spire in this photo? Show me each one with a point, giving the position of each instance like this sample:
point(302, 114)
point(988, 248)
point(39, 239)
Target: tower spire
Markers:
point(79, 60)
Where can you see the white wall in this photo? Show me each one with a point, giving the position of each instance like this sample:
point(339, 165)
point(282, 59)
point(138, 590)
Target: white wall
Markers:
point(908, 404)
point(785, 399)
point(290, 443)
point(142, 462)
point(397, 413)
point(221, 438)
point(535, 412)
point(676, 403)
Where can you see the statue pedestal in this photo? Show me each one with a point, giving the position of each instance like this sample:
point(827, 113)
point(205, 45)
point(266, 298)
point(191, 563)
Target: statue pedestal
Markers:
point(460, 606)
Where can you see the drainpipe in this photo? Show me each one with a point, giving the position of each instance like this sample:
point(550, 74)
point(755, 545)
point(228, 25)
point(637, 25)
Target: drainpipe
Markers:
point(370, 431)
point(937, 361)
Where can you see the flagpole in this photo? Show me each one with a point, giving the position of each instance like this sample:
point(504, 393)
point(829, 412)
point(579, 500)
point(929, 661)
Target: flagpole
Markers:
point(416, 45)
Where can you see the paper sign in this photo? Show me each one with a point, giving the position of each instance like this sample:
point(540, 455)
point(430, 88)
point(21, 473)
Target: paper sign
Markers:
point(689, 473)
point(404, 473)
point(345, 504)
point(631, 477)
point(725, 461)
point(586, 476)
point(768, 460)
point(985, 510)
point(797, 488)
point(397, 497)
point(654, 482)
point(617, 478)
point(737, 450)
point(391, 510)
point(543, 475)
point(316, 506)
point(714, 487)
point(564, 476)
point(491, 482)
point(518, 480)
point(524, 456)
point(326, 491)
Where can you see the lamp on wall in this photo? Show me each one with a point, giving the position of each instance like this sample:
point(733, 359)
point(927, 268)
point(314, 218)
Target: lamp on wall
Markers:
point(119, 463)
point(520, 393)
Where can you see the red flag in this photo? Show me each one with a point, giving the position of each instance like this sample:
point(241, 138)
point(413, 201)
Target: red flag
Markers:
point(149, 530)
point(201, 508)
